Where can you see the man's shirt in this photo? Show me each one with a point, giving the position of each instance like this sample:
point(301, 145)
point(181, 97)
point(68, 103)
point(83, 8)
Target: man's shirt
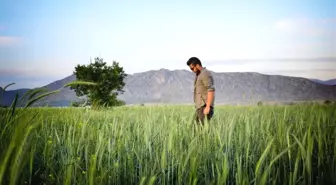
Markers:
point(203, 83)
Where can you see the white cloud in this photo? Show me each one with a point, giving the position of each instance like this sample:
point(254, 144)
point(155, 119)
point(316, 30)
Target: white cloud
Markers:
point(308, 27)
point(7, 40)
point(305, 37)
point(44, 71)
point(24, 82)
point(321, 69)
point(311, 74)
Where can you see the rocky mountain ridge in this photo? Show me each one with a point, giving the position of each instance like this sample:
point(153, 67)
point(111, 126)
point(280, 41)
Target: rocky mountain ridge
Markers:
point(176, 87)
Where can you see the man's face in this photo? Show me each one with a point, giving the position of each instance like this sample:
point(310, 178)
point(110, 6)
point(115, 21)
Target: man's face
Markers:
point(193, 68)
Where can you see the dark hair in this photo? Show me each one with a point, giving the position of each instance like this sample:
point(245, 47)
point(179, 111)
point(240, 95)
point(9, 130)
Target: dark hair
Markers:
point(194, 60)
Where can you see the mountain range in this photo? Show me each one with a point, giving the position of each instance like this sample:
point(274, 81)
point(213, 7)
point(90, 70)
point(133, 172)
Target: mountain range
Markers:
point(176, 87)
point(325, 82)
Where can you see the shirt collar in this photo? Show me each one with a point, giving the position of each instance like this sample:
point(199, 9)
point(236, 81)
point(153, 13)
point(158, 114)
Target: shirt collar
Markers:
point(204, 68)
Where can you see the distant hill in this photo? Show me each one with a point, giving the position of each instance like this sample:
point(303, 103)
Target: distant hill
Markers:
point(7, 97)
point(325, 82)
point(175, 87)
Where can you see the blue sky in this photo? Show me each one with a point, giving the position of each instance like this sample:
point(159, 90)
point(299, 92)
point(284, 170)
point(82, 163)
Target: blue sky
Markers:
point(42, 41)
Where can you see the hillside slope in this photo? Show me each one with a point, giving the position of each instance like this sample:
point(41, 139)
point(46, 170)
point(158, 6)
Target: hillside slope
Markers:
point(325, 82)
point(165, 86)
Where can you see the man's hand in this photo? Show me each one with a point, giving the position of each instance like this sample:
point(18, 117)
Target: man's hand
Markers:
point(206, 110)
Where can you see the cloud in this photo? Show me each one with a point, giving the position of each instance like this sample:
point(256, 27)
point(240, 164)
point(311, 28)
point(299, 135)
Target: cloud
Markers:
point(8, 40)
point(29, 78)
point(325, 74)
point(305, 37)
point(319, 68)
point(308, 27)
point(33, 73)
point(276, 65)
point(24, 82)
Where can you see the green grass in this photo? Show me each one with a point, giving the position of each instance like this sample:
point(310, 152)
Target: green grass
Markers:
point(159, 145)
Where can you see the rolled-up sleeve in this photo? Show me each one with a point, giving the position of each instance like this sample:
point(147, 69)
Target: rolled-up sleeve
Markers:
point(208, 81)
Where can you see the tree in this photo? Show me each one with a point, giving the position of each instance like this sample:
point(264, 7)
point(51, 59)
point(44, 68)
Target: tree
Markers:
point(109, 80)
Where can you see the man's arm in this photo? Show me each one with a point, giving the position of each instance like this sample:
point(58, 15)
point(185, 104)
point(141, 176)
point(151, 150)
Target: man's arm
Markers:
point(211, 95)
point(209, 84)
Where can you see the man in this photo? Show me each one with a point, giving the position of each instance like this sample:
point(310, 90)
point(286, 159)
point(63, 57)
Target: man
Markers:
point(204, 90)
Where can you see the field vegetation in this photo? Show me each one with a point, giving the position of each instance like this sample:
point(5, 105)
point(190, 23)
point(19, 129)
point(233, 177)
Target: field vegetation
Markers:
point(159, 145)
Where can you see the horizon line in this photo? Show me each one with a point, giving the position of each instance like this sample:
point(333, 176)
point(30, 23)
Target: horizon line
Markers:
point(311, 79)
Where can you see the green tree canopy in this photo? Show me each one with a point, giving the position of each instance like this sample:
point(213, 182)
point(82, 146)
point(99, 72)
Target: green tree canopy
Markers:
point(109, 80)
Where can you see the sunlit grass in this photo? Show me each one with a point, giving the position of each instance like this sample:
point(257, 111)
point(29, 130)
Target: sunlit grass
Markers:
point(159, 145)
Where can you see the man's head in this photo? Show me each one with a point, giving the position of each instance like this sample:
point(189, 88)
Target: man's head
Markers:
point(195, 64)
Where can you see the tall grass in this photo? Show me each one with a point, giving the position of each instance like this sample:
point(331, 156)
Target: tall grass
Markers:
point(160, 145)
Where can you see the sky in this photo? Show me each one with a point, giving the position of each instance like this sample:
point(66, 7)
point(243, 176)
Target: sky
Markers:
point(42, 41)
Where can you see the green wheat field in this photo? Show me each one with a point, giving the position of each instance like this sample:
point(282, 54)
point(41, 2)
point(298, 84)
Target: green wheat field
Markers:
point(293, 144)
